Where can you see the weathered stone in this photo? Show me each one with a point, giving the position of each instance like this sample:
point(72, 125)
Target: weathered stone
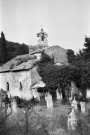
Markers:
point(49, 101)
point(88, 93)
point(36, 94)
point(14, 79)
point(72, 120)
point(74, 104)
point(83, 110)
point(14, 106)
point(59, 96)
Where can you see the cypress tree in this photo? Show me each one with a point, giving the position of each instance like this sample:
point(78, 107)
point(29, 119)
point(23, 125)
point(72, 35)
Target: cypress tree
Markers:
point(86, 50)
point(3, 49)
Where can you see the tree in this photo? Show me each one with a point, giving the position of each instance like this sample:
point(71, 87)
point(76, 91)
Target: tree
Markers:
point(3, 49)
point(82, 62)
point(14, 49)
point(86, 50)
point(52, 75)
point(71, 56)
point(44, 61)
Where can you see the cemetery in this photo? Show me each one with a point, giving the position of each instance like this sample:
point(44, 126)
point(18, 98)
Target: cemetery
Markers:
point(44, 67)
point(44, 93)
point(49, 117)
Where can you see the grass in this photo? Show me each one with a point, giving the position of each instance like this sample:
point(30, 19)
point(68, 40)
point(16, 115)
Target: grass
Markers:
point(42, 121)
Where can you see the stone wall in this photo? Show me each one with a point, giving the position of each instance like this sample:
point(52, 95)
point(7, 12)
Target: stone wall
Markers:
point(19, 82)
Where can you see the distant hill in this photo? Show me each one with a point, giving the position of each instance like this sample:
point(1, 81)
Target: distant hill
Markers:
point(15, 49)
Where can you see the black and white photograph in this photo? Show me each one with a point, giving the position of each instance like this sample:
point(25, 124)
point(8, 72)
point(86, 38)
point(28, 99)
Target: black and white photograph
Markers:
point(44, 67)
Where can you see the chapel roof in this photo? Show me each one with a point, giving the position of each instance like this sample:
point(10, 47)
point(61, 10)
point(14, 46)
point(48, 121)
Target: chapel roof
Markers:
point(22, 62)
point(25, 62)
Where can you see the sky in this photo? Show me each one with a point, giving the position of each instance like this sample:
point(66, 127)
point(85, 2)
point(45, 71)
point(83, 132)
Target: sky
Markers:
point(65, 21)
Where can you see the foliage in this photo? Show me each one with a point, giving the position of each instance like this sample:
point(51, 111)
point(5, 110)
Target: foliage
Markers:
point(86, 50)
point(77, 70)
point(53, 75)
point(71, 56)
point(14, 49)
point(82, 61)
point(45, 60)
point(9, 50)
point(3, 49)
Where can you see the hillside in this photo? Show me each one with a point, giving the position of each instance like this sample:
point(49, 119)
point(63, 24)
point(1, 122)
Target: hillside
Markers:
point(15, 49)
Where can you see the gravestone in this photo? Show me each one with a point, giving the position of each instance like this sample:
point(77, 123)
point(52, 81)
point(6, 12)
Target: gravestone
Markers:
point(74, 104)
point(72, 120)
point(14, 106)
point(74, 90)
point(82, 107)
point(36, 94)
point(88, 93)
point(49, 100)
point(59, 96)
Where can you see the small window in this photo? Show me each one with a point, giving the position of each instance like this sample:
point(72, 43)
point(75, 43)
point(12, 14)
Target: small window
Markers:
point(7, 86)
point(20, 86)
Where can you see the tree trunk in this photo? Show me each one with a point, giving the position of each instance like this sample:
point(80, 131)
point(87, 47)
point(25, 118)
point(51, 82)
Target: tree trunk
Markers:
point(54, 96)
point(63, 95)
point(0, 101)
point(26, 120)
point(5, 110)
point(84, 95)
